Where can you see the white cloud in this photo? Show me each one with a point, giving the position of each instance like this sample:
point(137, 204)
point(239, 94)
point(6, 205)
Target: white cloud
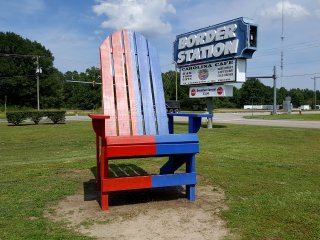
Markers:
point(317, 11)
point(144, 16)
point(289, 9)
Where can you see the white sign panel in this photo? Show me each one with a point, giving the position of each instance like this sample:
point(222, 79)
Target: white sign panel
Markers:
point(215, 72)
point(211, 91)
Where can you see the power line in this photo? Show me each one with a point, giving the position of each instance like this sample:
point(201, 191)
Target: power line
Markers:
point(301, 75)
point(16, 76)
point(23, 55)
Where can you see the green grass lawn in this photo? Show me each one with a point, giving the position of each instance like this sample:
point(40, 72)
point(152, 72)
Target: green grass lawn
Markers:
point(271, 177)
point(302, 117)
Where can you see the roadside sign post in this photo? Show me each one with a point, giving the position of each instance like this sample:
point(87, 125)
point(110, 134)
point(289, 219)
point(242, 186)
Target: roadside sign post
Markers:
point(209, 108)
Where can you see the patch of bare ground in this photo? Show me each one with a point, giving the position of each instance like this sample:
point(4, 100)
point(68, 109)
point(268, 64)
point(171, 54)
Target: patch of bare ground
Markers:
point(144, 214)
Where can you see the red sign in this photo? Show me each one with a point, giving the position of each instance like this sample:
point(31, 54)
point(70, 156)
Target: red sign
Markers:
point(220, 90)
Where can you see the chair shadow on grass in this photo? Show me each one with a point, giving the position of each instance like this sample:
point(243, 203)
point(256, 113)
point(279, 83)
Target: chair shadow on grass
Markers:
point(130, 196)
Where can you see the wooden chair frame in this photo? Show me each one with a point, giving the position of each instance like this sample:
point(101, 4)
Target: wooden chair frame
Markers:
point(135, 123)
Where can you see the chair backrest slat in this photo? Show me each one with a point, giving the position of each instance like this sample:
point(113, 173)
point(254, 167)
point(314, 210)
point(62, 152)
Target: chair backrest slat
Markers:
point(120, 85)
point(107, 90)
point(161, 112)
point(133, 83)
point(132, 86)
point(145, 84)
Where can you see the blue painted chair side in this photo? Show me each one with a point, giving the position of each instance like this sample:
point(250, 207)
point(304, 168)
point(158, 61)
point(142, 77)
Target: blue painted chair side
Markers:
point(194, 120)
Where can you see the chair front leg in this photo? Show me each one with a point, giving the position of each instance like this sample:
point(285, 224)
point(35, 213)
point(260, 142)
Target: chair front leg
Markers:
point(191, 168)
point(98, 154)
point(104, 172)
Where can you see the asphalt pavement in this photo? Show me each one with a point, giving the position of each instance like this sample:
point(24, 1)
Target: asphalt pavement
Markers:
point(237, 118)
point(234, 118)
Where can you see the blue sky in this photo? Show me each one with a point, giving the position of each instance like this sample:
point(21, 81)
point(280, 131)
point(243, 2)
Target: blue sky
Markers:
point(74, 29)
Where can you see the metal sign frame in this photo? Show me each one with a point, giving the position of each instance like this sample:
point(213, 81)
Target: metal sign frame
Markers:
point(228, 40)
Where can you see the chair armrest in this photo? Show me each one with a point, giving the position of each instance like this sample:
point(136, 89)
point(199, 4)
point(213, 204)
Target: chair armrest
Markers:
point(194, 120)
point(98, 123)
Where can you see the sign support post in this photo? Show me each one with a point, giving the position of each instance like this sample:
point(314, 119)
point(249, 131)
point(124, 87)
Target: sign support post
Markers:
point(209, 108)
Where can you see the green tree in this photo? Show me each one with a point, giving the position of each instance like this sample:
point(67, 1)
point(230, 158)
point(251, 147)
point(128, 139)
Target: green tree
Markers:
point(254, 89)
point(18, 73)
point(83, 95)
point(297, 97)
point(282, 93)
point(186, 103)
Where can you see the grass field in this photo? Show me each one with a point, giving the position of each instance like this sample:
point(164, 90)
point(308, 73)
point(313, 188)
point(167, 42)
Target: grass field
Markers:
point(270, 177)
point(302, 117)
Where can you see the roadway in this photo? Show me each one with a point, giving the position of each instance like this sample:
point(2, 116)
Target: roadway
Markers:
point(234, 118)
point(237, 118)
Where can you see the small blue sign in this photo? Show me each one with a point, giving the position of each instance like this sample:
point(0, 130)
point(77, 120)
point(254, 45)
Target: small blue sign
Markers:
point(229, 40)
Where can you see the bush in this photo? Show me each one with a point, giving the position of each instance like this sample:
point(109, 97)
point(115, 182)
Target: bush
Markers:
point(36, 116)
point(16, 118)
point(56, 116)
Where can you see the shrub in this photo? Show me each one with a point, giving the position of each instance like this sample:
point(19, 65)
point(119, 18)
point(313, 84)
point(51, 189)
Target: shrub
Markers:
point(36, 116)
point(16, 118)
point(56, 116)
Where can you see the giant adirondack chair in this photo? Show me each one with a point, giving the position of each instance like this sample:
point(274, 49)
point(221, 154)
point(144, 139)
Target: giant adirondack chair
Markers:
point(135, 123)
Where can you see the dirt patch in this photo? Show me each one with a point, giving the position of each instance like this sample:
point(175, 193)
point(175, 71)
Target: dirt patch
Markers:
point(144, 214)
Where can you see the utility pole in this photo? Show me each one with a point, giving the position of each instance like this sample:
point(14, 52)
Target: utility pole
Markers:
point(38, 84)
point(315, 92)
point(282, 43)
point(274, 76)
point(5, 104)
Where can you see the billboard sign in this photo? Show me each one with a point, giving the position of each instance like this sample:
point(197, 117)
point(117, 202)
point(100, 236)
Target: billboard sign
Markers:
point(214, 72)
point(232, 39)
point(211, 91)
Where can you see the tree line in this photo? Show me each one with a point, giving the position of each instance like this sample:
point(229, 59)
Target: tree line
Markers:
point(18, 83)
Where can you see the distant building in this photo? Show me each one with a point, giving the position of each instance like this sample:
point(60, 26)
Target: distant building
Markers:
point(260, 107)
point(304, 107)
point(287, 105)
